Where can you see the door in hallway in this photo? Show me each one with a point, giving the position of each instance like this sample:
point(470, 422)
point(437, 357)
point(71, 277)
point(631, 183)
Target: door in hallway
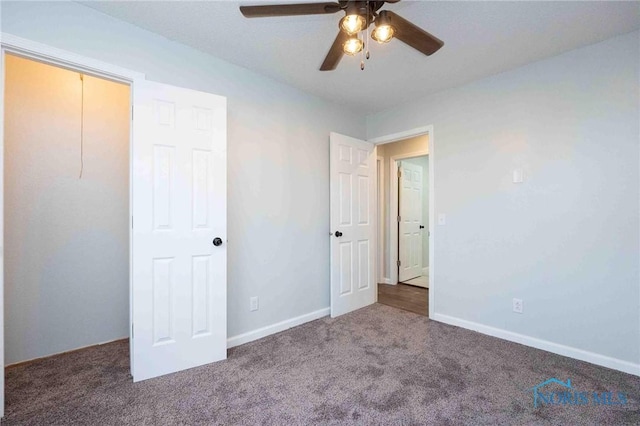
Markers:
point(410, 224)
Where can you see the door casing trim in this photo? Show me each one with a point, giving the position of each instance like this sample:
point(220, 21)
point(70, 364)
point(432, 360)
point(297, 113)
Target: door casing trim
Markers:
point(11, 44)
point(393, 212)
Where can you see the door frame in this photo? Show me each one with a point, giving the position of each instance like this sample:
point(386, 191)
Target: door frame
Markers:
point(379, 216)
point(11, 44)
point(393, 200)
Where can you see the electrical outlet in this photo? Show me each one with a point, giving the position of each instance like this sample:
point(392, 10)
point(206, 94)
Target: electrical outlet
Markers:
point(517, 306)
point(253, 304)
point(518, 176)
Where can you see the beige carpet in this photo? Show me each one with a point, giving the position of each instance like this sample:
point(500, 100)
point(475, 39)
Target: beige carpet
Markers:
point(378, 365)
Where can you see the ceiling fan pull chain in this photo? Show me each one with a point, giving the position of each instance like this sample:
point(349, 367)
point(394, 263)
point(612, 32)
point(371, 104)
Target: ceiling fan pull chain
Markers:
point(364, 46)
point(365, 42)
point(367, 37)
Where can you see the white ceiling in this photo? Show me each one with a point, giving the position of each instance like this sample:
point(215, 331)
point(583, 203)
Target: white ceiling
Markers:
point(481, 39)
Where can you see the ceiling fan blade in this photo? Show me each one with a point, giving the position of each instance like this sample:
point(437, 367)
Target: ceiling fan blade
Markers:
point(412, 35)
point(269, 10)
point(332, 59)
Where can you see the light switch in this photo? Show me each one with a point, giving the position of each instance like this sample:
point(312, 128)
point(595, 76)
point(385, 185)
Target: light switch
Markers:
point(442, 219)
point(518, 176)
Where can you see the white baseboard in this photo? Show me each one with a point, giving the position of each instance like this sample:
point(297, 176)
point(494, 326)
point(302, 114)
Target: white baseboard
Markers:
point(582, 355)
point(385, 281)
point(250, 336)
point(425, 271)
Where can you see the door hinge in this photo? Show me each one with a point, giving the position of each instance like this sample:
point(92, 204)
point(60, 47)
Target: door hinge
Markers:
point(131, 331)
point(131, 112)
point(399, 218)
point(399, 263)
point(131, 222)
point(399, 173)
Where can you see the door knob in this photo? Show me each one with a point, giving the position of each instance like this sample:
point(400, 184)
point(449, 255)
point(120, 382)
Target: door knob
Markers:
point(217, 241)
point(421, 226)
point(338, 234)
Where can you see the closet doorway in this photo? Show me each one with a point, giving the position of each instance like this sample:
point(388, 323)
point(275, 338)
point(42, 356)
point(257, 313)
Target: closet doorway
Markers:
point(175, 173)
point(66, 209)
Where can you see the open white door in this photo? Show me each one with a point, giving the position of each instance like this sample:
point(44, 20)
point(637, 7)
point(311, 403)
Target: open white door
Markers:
point(353, 224)
point(411, 227)
point(179, 288)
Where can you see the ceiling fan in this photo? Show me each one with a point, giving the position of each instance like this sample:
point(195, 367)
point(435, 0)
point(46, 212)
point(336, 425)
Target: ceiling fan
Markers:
point(359, 15)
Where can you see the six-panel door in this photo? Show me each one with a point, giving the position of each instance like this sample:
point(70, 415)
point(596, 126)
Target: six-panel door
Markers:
point(410, 211)
point(352, 187)
point(179, 207)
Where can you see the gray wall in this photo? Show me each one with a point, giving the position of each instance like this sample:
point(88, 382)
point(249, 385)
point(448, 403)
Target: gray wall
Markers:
point(424, 163)
point(66, 239)
point(566, 240)
point(278, 156)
